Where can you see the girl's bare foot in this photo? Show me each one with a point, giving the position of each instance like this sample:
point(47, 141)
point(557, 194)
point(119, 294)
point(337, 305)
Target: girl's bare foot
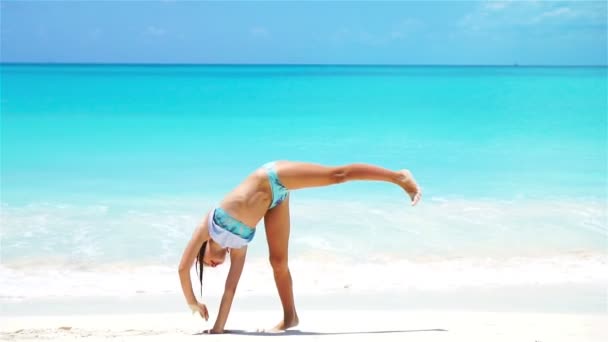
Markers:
point(284, 325)
point(408, 183)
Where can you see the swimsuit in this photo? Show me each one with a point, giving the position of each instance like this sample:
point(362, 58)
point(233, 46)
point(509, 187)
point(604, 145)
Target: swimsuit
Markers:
point(228, 231)
point(232, 233)
point(279, 191)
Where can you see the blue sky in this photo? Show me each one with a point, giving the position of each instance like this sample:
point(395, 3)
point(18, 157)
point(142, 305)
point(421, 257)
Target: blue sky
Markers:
point(407, 32)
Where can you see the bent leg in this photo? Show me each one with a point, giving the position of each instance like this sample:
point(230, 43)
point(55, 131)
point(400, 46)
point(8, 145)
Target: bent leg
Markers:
point(277, 233)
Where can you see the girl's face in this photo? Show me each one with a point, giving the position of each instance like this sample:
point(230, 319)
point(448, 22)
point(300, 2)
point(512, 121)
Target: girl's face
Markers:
point(214, 254)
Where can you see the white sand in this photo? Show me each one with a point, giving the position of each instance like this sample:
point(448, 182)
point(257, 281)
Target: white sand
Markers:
point(326, 325)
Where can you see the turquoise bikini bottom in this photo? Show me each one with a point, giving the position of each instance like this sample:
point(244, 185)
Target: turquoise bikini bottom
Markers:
point(279, 191)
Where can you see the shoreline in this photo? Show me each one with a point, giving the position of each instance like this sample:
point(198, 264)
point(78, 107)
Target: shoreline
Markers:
point(554, 299)
point(529, 284)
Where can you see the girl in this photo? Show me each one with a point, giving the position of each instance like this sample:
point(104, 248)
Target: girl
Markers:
point(228, 228)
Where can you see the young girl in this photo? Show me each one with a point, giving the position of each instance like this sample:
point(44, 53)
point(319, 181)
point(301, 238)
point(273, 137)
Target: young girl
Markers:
point(228, 228)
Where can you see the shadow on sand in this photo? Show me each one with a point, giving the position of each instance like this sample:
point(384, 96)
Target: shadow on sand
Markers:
point(312, 333)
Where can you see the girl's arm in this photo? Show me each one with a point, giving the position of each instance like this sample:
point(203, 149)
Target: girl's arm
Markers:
point(200, 235)
point(237, 261)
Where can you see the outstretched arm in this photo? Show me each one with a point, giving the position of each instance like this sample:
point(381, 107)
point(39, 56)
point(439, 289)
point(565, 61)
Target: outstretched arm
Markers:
point(237, 261)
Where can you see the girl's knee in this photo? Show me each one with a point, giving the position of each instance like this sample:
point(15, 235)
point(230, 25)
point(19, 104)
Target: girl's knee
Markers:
point(279, 264)
point(339, 174)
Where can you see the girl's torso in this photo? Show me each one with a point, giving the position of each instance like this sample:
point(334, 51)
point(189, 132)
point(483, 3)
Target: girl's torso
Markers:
point(250, 200)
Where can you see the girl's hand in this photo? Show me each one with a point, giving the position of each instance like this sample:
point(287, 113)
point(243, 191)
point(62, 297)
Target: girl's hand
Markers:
point(201, 309)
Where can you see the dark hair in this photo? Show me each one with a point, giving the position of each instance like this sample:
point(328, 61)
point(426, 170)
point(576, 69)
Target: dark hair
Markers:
point(199, 260)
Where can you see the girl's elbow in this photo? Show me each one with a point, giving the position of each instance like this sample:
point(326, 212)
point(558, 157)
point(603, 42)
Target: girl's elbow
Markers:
point(183, 268)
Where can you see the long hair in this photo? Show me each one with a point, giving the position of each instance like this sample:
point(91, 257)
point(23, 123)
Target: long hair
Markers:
point(199, 260)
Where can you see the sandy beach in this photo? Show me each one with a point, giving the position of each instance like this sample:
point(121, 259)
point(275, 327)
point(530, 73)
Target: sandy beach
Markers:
point(502, 314)
point(333, 325)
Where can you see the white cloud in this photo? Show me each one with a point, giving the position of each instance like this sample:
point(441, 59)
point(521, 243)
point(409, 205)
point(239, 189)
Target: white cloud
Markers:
point(155, 31)
point(396, 35)
point(372, 39)
point(408, 26)
point(398, 31)
point(259, 32)
point(511, 14)
point(340, 35)
point(559, 12)
point(347, 35)
point(496, 5)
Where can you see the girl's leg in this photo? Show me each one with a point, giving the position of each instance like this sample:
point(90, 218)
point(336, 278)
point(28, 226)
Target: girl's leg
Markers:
point(297, 175)
point(277, 225)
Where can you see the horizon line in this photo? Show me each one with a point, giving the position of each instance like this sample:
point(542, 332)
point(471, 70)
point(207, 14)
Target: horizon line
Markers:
point(295, 64)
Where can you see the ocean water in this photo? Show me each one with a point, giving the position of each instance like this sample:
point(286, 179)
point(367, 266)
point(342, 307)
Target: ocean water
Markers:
point(106, 170)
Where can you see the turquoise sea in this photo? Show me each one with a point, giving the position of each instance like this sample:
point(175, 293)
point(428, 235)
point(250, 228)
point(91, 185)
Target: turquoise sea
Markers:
point(107, 168)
